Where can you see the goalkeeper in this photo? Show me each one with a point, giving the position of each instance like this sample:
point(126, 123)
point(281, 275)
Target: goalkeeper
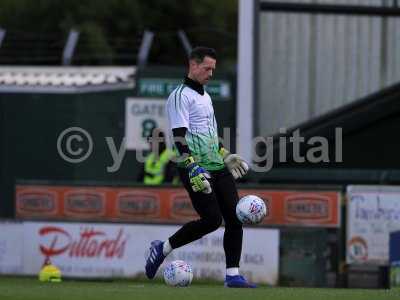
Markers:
point(207, 170)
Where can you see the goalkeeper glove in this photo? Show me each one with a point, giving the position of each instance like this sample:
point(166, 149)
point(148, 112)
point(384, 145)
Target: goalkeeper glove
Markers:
point(198, 176)
point(235, 164)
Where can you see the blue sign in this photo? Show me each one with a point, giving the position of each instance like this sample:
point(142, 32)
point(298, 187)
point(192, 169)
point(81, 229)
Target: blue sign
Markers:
point(394, 247)
point(394, 258)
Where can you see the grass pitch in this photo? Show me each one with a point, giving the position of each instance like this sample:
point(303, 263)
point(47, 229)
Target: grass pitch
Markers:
point(19, 288)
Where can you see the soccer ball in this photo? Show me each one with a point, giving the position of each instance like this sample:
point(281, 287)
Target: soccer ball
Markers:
point(251, 209)
point(178, 273)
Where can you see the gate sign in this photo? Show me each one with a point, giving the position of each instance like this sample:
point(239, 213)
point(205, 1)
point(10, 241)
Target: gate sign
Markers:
point(373, 212)
point(142, 115)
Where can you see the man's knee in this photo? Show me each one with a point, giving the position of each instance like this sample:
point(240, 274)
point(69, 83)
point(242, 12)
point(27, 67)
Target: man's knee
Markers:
point(234, 225)
point(212, 223)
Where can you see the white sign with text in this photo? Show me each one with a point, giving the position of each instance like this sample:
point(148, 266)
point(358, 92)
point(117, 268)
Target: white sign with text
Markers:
point(99, 250)
point(372, 213)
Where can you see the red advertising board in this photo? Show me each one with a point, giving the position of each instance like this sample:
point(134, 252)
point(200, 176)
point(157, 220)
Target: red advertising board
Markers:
point(167, 205)
point(308, 208)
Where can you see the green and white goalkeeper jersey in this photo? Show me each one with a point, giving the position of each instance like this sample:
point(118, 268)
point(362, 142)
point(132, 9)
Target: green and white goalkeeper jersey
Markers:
point(187, 108)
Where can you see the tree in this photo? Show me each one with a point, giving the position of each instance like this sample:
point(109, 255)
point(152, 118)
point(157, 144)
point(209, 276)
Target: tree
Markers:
point(111, 29)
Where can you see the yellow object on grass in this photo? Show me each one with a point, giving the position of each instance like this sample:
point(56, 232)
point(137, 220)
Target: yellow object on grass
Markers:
point(50, 273)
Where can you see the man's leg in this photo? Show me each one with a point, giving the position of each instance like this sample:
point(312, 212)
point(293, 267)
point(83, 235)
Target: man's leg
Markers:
point(206, 206)
point(227, 195)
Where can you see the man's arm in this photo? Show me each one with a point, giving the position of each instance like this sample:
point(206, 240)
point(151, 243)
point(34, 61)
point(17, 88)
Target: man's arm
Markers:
point(197, 175)
point(180, 141)
point(178, 107)
point(235, 164)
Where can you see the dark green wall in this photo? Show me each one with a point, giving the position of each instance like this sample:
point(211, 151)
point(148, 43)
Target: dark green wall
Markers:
point(31, 123)
point(34, 122)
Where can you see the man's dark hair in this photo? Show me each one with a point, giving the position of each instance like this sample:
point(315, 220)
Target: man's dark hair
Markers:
point(198, 53)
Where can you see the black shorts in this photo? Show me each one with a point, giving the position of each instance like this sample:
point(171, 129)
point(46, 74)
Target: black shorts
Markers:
point(222, 200)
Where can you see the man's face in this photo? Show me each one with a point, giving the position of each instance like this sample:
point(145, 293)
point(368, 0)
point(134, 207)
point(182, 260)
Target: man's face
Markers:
point(202, 72)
